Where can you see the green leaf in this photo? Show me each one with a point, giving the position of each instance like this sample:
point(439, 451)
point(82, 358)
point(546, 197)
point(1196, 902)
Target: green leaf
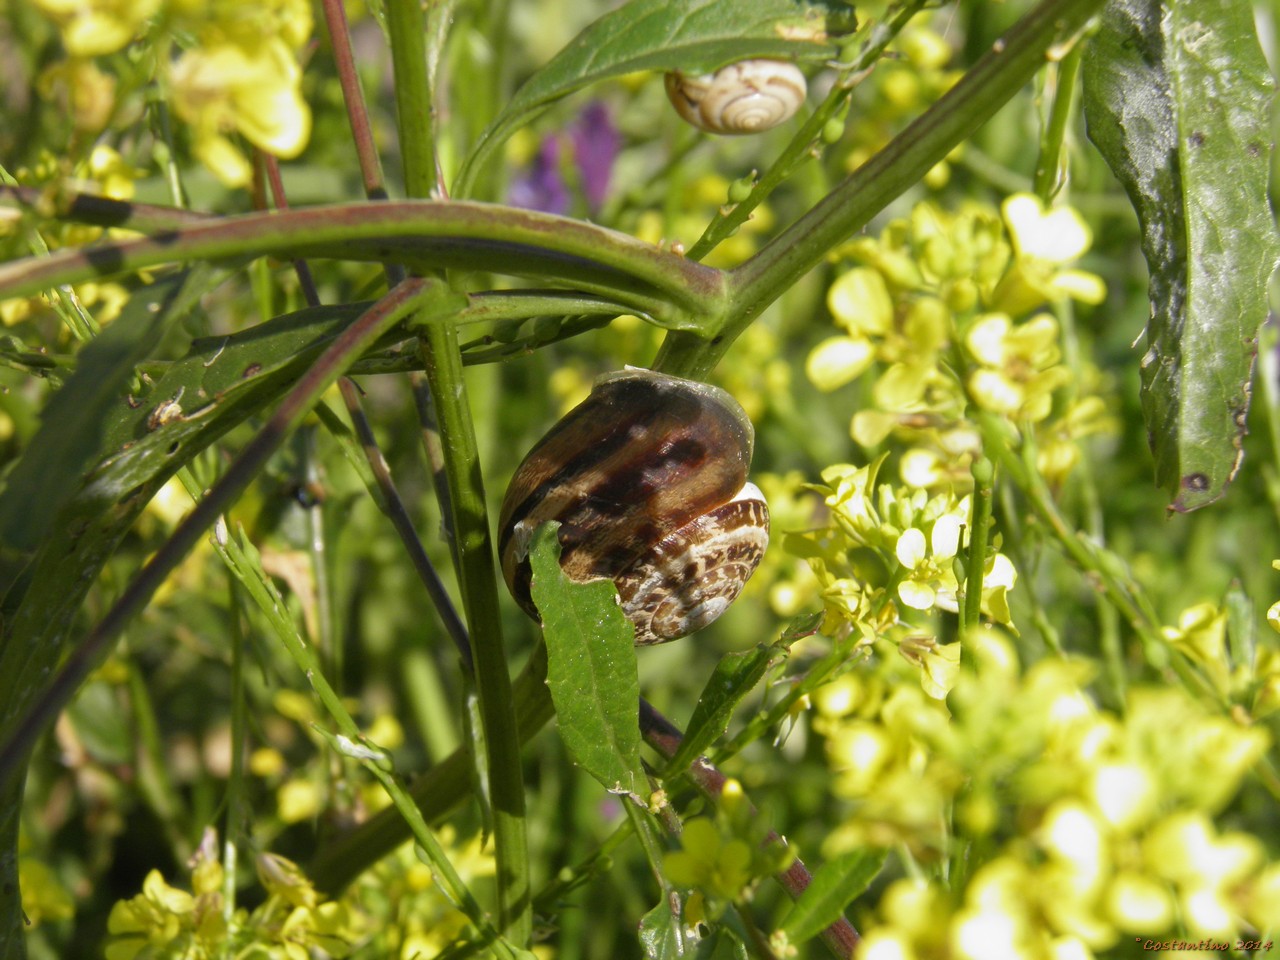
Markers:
point(834, 886)
point(660, 935)
point(77, 419)
point(1178, 98)
point(591, 668)
point(733, 678)
point(695, 36)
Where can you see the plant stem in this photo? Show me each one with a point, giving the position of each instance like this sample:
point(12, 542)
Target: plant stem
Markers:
point(1050, 168)
point(424, 234)
point(476, 575)
point(473, 544)
point(979, 525)
point(407, 28)
point(335, 18)
point(988, 85)
point(393, 506)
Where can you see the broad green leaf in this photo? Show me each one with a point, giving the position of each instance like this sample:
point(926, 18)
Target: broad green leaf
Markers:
point(76, 420)
point(1178, 98)
point(834, 886)
point(591, 668)
point(694, 36)
point(660, 935)
point(733, 678)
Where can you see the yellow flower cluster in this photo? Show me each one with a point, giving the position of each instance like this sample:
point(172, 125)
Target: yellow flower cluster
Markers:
point(1057, 829)
point(887, 556)
point(936, 304)
point(722, 859)
point(416, 918)
point(165, 921)
point(241, 75)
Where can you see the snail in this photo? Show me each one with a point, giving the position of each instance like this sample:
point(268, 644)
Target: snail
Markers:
point(744, 97)
point(648, 479)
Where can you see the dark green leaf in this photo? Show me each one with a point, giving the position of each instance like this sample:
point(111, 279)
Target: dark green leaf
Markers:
point(75, 422)
point(660, 935)
point(733, 678)
point(834, 887)
point(1178, 99)
point(591, 668)
point(694, 36)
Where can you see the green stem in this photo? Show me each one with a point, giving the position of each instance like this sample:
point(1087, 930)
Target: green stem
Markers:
point(476, 575)
point(1050, 168)
point(988, 85)
point(422, 233)
point(473, 544)
point(407, 28)
point(979, 527)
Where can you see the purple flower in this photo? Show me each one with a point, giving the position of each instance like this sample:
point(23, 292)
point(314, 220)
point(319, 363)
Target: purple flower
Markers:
point(594, 143)
point(542, 187)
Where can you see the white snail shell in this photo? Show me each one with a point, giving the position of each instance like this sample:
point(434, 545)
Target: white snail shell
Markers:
point(647, 478)
point(744, 97)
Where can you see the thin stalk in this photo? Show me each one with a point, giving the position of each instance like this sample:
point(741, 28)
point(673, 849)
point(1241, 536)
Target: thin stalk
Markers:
point(473, 545)
point(393, 506)
point(407, 27)
point(232, 821)
point(979, 528)
point(434, 234)
point(437, 792)
point(335, 18)
point(987, 86)
point(358, 337)
point(306, 281)
point(477, 578)
point(1051, 165)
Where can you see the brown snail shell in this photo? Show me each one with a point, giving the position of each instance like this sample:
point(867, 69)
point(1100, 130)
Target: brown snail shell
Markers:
point(648, 479)
point(745, 97)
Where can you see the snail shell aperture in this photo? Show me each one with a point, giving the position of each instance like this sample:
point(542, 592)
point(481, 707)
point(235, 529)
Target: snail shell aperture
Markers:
point(745, 97)
point(648, 479)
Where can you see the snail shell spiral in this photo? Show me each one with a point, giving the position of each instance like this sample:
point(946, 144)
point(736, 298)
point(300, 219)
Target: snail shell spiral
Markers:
point(647, 478)
point(745, 97)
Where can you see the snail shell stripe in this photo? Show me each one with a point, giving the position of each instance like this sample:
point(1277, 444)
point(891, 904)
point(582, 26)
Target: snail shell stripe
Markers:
point(745, 97)
point(641, 459)
point(691, 576)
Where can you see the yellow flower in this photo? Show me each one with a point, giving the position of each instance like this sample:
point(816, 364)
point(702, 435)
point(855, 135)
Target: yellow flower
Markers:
point(1018, 365)
point(88, 93)
point(155, 918)
point(707, 861)
point(1201, 635)
point(91, 28)
point(930, 579)
point(939, 663)
point(1044, 242)
point(250, 86)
